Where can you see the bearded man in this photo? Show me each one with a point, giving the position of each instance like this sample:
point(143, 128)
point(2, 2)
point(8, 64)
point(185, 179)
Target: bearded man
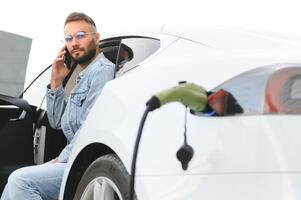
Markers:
point(81, 44)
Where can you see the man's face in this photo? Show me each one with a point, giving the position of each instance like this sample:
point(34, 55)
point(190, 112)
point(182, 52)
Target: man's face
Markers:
point(84, 43)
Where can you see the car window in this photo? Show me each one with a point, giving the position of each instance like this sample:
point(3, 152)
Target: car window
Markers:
point(248, 89)
point(267, 90)
point(14, 54)
point(110, 47)
point(133, 51)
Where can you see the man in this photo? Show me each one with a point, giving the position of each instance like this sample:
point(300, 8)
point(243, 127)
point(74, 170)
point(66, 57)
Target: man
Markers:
point(81, 41)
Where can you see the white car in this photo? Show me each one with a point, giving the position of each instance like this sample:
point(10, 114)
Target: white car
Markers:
point(249, 150)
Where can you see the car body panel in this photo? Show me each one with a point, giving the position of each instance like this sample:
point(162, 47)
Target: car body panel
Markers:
point(219, 150)
point(246, 186)
point(229, 38)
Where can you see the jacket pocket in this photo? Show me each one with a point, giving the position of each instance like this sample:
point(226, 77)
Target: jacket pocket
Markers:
point(77, 100)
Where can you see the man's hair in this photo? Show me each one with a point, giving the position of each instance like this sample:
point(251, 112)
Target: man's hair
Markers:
point(78, 16)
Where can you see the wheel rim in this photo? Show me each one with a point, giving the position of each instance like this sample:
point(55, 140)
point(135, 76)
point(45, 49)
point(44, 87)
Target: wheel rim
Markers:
point(101, 188)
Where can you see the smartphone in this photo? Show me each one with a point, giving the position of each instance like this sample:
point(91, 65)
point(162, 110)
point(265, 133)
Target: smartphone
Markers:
point(67, 59)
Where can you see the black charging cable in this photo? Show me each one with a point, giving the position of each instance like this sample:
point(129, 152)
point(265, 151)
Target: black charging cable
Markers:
point(135, 153)
point(151, 105)
point(190, 95)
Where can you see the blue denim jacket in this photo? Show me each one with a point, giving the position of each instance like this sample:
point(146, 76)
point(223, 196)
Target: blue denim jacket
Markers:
point(69, 116)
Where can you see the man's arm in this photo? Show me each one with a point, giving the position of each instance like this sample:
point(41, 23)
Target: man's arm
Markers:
point(55, 92)
point(55, 106)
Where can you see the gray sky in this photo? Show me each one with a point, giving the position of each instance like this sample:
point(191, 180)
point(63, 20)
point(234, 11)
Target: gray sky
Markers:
point(43, 20)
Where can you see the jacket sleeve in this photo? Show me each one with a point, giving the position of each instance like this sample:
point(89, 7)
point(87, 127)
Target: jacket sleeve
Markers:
point(55, 106)
point(98, 79)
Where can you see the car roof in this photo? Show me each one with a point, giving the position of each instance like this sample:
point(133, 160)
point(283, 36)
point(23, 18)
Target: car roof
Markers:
point(220, 38)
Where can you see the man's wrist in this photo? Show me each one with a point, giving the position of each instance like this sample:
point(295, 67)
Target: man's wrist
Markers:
point(55, 83)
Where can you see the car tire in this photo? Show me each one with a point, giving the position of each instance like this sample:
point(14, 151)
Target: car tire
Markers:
point(106, 178)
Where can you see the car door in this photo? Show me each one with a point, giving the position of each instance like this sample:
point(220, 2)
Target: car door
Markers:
point(16, 115)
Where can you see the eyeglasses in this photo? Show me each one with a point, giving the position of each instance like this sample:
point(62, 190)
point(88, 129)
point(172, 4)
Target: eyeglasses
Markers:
point(78, 36)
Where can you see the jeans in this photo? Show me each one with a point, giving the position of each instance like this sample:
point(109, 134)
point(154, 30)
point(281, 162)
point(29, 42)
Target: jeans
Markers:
point(35, 182)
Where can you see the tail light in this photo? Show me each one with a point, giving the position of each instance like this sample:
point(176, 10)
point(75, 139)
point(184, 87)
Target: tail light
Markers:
point(283, 92)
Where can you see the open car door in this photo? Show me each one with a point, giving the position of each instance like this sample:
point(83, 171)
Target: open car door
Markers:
point(26, 137)
point(16, 115)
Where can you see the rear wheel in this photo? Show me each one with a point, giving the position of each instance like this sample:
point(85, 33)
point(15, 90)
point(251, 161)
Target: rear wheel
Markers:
point(105, 179)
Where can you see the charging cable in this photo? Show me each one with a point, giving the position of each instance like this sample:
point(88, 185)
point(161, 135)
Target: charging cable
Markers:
point(188, 94)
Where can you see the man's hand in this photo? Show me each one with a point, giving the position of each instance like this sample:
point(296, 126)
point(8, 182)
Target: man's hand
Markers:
point(59, 69)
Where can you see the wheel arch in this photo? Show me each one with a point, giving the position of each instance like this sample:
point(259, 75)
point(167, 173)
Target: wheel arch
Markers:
point(81, 163)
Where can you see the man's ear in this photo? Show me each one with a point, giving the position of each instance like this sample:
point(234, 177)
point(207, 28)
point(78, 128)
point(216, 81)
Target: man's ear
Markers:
point(97, 37)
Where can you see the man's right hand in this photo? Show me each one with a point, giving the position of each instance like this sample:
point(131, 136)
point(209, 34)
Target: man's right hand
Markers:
point(59, 69)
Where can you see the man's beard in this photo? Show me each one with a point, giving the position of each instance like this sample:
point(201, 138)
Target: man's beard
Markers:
point(87, 57)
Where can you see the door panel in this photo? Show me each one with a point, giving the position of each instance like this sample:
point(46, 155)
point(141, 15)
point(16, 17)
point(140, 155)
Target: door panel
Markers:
point(8, 112)
point(48, 142)
point(16, 140)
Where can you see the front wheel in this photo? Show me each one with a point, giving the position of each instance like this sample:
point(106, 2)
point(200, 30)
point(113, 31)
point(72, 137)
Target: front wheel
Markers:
point(105, 179)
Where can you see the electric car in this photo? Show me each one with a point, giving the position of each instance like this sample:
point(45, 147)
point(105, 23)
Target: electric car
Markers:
point(243, 144)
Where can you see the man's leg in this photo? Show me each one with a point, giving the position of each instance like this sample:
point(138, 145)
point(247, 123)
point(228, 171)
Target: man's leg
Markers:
point(35, 182)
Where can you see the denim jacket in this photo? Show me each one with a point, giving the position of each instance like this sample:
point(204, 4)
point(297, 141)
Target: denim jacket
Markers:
point(69, 116)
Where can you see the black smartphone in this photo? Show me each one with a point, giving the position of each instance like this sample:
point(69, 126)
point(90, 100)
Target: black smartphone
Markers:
point(67, 59)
